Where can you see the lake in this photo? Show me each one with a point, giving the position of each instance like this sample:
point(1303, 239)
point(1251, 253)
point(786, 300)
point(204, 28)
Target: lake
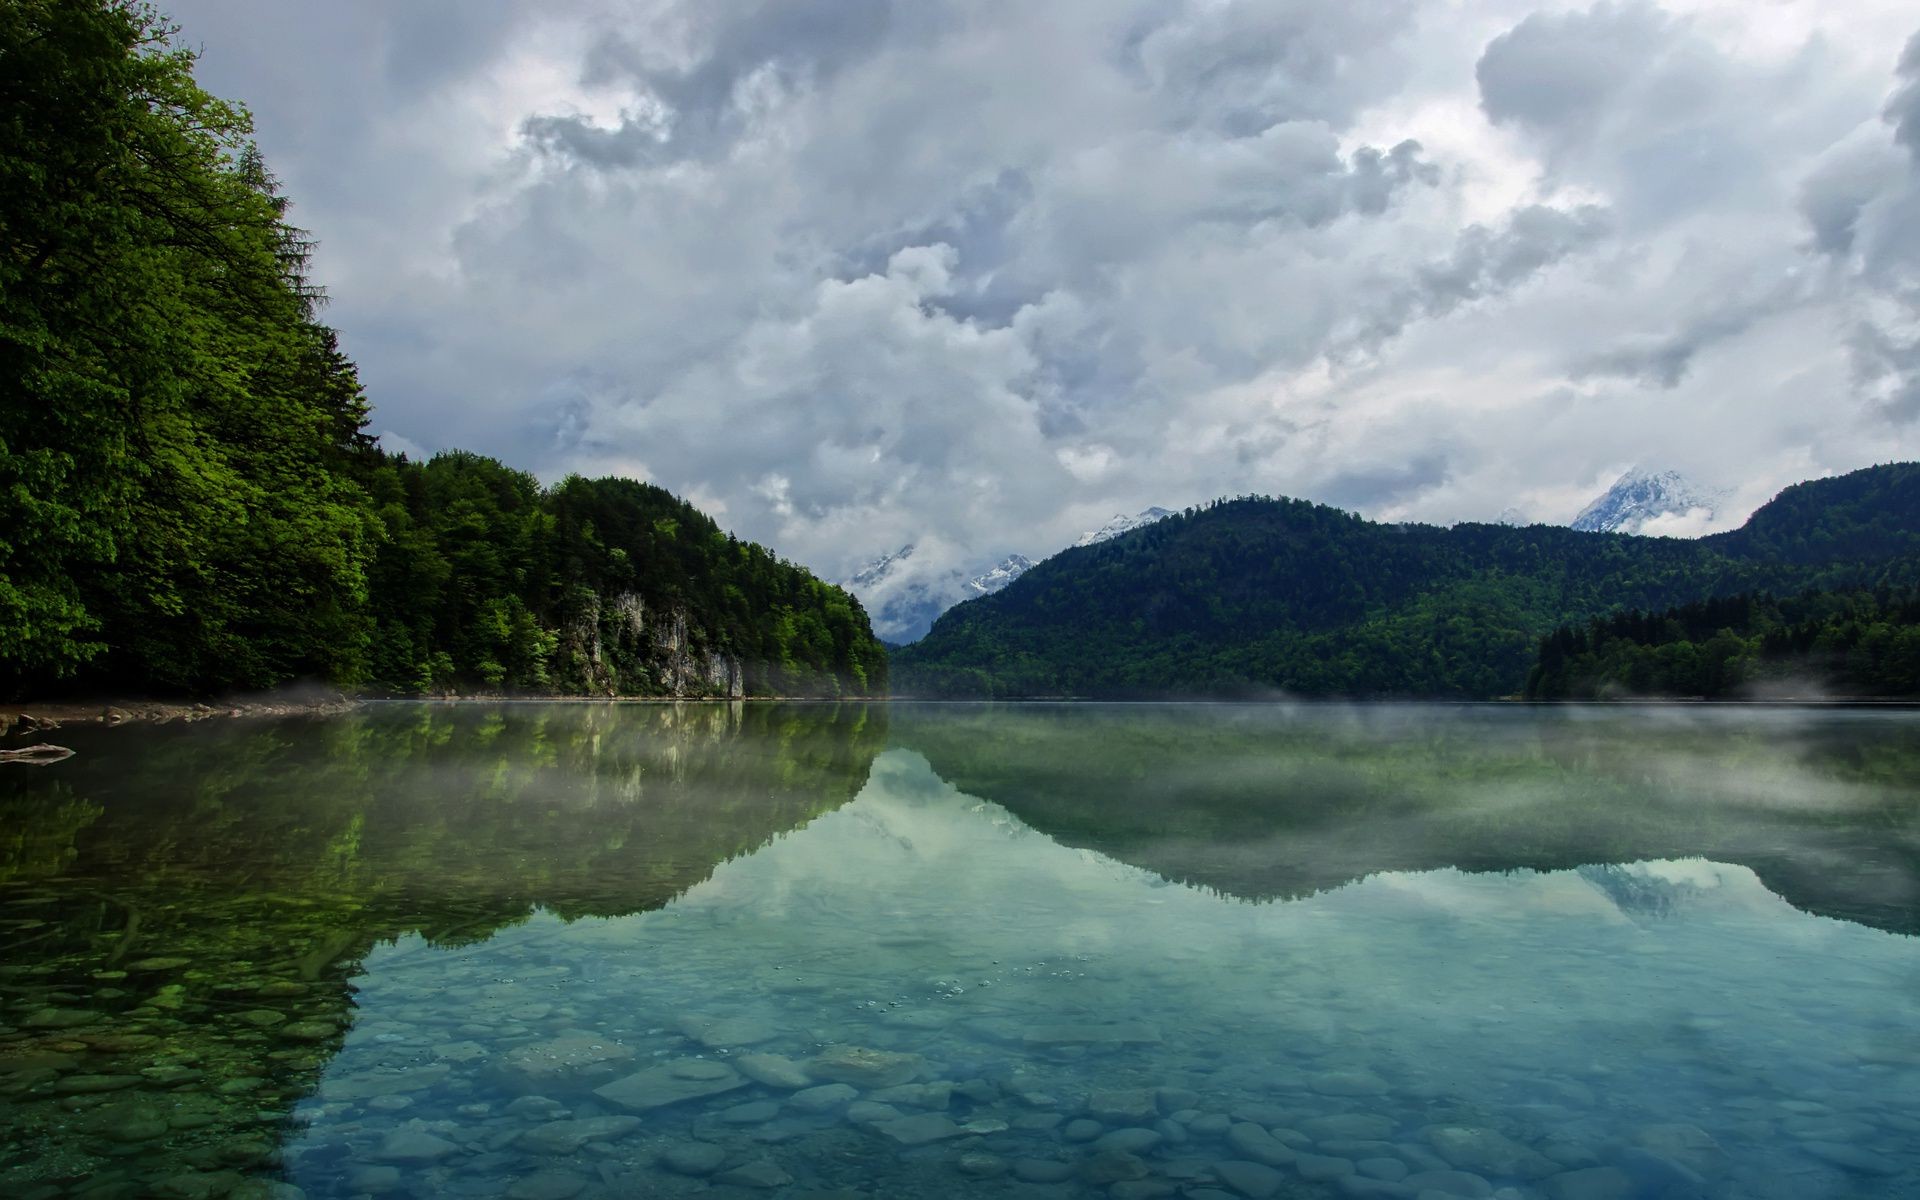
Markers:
point(553, 950)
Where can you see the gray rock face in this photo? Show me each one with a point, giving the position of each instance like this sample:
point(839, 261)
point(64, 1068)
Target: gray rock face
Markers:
point(671, 1083)
point(628, 650)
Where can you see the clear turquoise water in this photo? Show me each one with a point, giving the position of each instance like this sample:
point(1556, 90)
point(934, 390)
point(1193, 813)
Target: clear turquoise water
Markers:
point(585, 950)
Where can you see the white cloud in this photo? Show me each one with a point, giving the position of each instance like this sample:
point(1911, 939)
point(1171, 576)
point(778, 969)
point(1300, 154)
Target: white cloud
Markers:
point(975, 277)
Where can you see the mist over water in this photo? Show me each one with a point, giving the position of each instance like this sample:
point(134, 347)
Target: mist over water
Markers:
point(926, 950)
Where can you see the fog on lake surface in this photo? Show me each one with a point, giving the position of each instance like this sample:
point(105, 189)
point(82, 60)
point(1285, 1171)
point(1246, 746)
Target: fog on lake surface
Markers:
point(586, 950)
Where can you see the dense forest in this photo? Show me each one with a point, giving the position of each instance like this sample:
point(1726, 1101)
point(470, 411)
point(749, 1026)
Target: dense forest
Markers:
point(1820, 643)
point(189, 501)
point(1252, 596)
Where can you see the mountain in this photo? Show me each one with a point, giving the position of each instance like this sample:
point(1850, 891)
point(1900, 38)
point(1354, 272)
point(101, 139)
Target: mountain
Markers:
point(1639, 499)
point(1002, 573)
point(1257, 596)
point(1121, 523)
point(906, 596)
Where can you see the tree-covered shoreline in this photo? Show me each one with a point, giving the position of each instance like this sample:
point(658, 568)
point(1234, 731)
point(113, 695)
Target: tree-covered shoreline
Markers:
point(1256, 597)
point(189, 500)
point(1861, 644)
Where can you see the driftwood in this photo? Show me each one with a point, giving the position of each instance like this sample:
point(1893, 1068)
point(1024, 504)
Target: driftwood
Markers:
point(42, 755)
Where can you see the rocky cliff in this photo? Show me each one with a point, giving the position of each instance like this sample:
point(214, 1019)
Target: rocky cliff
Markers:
point(618, 648)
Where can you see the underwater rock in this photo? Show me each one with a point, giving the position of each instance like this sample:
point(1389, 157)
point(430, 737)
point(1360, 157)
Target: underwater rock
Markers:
point(576, 1059)
point(1251, 1179)
point(822, 1099)
point(920, 1129)
point(719, 1032)
point(60, 1018)
point(1592, 1183)
point(1257, 1144)
point(761, 1174)
point(413, 1146)
point(566, 1137)
point(671, 1083)
point(693, 1158)
point(773, 1070)
point(1488, 1152)
point(863, 1067)
point(546, 1185)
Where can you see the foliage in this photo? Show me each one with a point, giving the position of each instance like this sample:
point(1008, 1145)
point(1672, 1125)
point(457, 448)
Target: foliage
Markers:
point(1853, 643)
point(1253, 595)
point(188, 500)
point(595, 586)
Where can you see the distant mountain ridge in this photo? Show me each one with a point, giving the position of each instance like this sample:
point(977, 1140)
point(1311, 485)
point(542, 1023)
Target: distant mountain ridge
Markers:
point(1262, 595)
point(905, 602)
point(1640, 498)
point(1121, 523)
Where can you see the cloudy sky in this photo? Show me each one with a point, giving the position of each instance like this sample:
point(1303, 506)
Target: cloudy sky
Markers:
point(978, 275)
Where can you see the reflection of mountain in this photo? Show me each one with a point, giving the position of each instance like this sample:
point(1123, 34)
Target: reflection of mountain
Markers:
point(210, 890)
point(1265, 802)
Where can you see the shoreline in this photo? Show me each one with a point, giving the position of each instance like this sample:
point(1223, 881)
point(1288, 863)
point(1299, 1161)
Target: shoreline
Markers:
point(21, 719)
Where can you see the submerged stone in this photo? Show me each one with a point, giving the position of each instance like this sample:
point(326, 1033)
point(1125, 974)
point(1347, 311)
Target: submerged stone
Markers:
point(413, 1146)
point(546, 1185)
point(671, 1083)
point(693, 1158)
point(1488, 1152)
point(863, 1067)
point(920, 1128)
point(1251, 1179)
point(572, 1060)
point(762, 1174)
point(566, 1137)
point(773, 1070)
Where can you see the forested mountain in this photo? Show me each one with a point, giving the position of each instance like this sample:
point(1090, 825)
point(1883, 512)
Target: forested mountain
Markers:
point(1252, 595)
point(188, 500)
point(1850, 644)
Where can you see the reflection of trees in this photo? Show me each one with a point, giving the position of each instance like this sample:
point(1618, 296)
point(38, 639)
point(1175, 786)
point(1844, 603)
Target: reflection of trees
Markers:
point(1268, 803)
point(187, 881)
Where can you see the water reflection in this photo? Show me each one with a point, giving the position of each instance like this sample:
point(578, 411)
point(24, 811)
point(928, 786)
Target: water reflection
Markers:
point(1545, 954)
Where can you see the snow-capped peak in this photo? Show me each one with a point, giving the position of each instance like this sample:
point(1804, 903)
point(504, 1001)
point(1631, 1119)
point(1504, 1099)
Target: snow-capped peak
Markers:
point(879, 568)
point(1650, 502)
point(1122, 523)
point(1002, 573)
